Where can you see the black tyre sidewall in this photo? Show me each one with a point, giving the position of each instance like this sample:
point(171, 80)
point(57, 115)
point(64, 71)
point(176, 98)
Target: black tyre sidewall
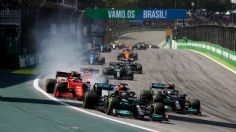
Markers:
point(146, 95)
point(49, 85)
point(90, 100)
point(195, 104)
point(113, 103)
point(158, 108)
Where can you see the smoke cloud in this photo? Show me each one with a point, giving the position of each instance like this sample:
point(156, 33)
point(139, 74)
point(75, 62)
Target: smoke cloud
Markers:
point(60, 48)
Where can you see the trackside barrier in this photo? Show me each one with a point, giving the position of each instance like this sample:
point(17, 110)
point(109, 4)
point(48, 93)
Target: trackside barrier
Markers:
point(224, 36)
point(28, 60)
point(214, 49)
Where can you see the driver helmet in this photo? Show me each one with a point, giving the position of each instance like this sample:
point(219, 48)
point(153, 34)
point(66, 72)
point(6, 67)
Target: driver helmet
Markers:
point(170, 92)
point(171, 86)
point(124, 95)
point(122, 87)
point(73, 73)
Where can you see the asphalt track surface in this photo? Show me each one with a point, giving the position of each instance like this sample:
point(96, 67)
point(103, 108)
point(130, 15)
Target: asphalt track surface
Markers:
point(22, 108)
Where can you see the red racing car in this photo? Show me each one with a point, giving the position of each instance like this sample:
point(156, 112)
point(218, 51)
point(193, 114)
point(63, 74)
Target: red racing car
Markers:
point(67, 85)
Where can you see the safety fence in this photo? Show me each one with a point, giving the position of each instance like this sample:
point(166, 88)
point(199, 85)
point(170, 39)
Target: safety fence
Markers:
point(214, 49)
point(220, 35)
point(10, 17)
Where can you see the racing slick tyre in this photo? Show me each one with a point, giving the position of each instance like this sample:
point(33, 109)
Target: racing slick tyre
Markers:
point(90, 100)
point(59, 87)
point(139, 68)
point(110, 104)
point(195, 104)
point(108, 49)
point(158, 108)
point(49, 85)
point(182, 96)
point(102, 60)
point(157, 98)
point(154, 46)
point(130, 75)
point(135, 56)
point(144, 47)
point(105, 71)
point(146, 96)
point(119, 57)
point(97, 91)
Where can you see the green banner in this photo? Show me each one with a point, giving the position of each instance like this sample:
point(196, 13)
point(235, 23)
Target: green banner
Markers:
point(102, 14)
point(135, 14)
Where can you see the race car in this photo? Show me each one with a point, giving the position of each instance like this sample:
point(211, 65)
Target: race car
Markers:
point(93, 58)
point(104, 48)
point(135, 67)
point(140, 46)
point(118, 46)
point(121, 101)
point(119, 72)
point(170, 97)
point(127, 54)
point(67, 85)
point(153, 46)
point(92, 75)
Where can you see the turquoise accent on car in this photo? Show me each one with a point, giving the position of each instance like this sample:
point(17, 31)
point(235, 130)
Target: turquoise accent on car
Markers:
point(124, 103)
point(192, 110)
point(124, 113)
point(157, 117)
point(167, 108)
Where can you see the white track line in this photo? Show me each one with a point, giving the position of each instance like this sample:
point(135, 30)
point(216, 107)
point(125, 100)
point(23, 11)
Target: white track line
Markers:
point(36, 86)
point(213, 60)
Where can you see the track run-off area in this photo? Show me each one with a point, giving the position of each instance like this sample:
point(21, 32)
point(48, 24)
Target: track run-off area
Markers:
point(23, 107)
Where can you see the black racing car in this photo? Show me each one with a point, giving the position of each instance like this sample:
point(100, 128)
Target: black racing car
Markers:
point(120, 101)
point(93, 58)
point(170, 97)
point(118, 46)
point(119, 72)
point(135, 67)
point(140, 46)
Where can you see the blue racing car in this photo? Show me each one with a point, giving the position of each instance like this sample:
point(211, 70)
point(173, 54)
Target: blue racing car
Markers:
point(104, 48)
point(93, 59)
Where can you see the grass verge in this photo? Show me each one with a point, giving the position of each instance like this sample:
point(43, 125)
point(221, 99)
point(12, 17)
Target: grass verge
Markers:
point(31, 70)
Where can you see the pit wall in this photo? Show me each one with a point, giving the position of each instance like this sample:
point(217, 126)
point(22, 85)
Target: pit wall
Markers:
point(207, 47)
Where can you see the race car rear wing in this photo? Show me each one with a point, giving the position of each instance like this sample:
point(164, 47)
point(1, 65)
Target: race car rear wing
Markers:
point(126, 60)
point(113, 63)
point(158, 86)
point(104, 86)
point(61, 74)
point(67, 74)
point(89, 70)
